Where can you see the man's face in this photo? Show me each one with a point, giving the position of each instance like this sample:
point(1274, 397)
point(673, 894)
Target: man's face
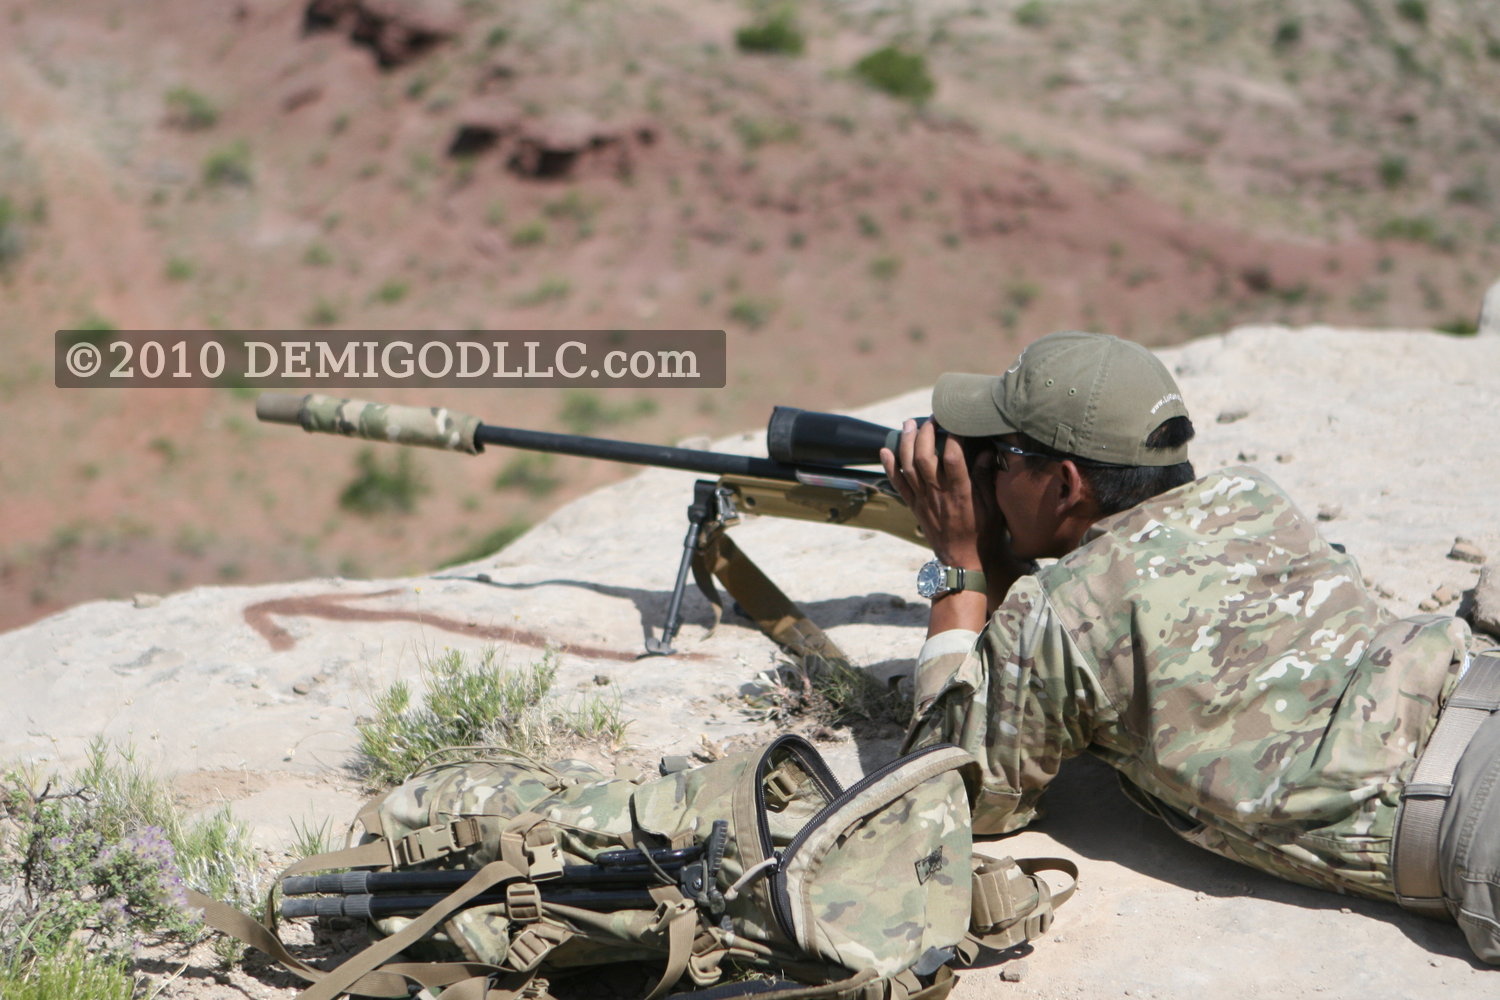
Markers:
point(1023, 497)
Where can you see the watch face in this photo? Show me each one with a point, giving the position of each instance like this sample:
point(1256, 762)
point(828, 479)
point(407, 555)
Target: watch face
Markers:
point(930, 579)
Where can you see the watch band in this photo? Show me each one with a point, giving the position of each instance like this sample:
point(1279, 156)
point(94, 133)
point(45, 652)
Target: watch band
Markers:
point(958, 578)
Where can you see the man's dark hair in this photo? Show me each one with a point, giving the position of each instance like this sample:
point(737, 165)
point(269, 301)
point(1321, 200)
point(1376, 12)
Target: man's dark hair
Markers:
point(1120, 487)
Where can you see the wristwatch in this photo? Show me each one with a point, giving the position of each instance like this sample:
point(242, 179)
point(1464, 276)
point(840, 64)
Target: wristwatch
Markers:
point(934, 579)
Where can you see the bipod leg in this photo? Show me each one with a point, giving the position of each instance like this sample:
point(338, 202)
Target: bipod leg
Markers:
point(704, 509)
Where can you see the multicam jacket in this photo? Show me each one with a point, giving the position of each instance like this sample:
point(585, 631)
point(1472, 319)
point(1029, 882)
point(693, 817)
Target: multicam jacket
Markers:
point(1229, 662)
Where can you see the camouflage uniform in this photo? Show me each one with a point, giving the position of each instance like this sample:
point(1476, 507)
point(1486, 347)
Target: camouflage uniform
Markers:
point(1229, 662)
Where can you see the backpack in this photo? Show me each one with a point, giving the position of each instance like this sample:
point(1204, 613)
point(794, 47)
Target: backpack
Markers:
point(484, 872)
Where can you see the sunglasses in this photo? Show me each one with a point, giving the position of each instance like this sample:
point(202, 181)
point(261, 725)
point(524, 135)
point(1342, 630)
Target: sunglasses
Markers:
point(1004, 449)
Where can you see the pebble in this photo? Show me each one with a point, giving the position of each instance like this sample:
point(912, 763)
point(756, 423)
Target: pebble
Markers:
point(1445, 595)
point(1230, 416)
point(1465, 551)
point(1014, 972)
point(1247, 456)
point(1427, 604)
point(601, 679)
point(146, 600)
point(1329, 511)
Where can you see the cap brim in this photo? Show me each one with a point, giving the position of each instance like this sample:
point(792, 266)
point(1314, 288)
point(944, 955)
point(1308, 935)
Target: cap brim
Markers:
point(969, 405)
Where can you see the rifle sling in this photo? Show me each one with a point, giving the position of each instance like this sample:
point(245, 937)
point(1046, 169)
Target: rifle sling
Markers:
point(771, 610)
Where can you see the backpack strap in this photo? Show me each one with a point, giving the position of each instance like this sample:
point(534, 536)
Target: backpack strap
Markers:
point(391, 981)
point(677, 920)
point(342, 978)
point(1012, 903)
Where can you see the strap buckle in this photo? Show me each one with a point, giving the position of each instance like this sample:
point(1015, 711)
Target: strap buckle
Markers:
point(531, 846)
point(433, 842)
point(528, 948)
point(523, 903)
point(543, 852)
point(780, 789)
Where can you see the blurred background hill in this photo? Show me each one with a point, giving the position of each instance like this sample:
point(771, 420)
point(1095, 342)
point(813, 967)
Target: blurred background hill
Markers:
point(863, 194)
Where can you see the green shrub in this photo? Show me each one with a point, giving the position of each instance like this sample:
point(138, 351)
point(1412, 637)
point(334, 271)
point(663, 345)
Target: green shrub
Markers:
point(1392, 170)
point(776, 33)
point(1475, 191)
point(1022, 293)
point(229, 165)
point(475, 703)
point(900, 74)
point(1458, 327)
point(383, 487)
point(1414, 11)
point(100, 861)
point(758, 132)
point(1413, 229)
point(752, 311)
point(530, 235)
point(317, 255)
point(75, 975)
point(179, 269)
point(553, 289)
point(584, 411)
point(188, 109)
point(531, 473)
point(12, 238)
point(322, 313)
point(1032, 14)
point(1288, 34)
point(885, 268)
point(391, 292)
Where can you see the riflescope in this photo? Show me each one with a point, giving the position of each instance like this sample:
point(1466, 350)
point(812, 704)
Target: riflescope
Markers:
point(798, 436)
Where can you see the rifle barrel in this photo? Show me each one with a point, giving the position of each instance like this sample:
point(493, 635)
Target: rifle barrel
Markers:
point(716, 463)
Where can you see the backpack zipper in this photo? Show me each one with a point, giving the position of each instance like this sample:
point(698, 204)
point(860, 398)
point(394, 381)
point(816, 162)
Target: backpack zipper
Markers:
point(781, 897)
point(812, 764)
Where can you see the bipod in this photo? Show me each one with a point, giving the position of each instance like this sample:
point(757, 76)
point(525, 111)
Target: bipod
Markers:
point(710, 505)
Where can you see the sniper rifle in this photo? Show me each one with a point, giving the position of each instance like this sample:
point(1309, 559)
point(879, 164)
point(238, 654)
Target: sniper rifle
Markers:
point(806, 477)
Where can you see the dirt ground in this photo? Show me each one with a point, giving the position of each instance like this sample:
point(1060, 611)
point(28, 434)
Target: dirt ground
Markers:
point(1159, 173)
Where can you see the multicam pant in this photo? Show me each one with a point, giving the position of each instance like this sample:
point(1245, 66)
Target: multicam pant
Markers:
point(1469, 843)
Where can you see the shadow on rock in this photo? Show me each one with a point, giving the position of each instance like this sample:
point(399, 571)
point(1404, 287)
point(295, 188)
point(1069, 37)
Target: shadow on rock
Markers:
point(1086, 811)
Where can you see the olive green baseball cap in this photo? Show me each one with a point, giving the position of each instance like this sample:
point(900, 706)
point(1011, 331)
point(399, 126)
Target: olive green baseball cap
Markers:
point(1086, 394)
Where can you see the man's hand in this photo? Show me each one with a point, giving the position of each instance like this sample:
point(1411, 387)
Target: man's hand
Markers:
point(940, 494)
point(937, 489)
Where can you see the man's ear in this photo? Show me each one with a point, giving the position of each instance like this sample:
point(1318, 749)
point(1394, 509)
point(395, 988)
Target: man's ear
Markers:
point(1073, 495)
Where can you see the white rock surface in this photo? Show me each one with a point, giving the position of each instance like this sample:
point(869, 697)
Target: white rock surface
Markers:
point(1393, 434)
point(1489, 313)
